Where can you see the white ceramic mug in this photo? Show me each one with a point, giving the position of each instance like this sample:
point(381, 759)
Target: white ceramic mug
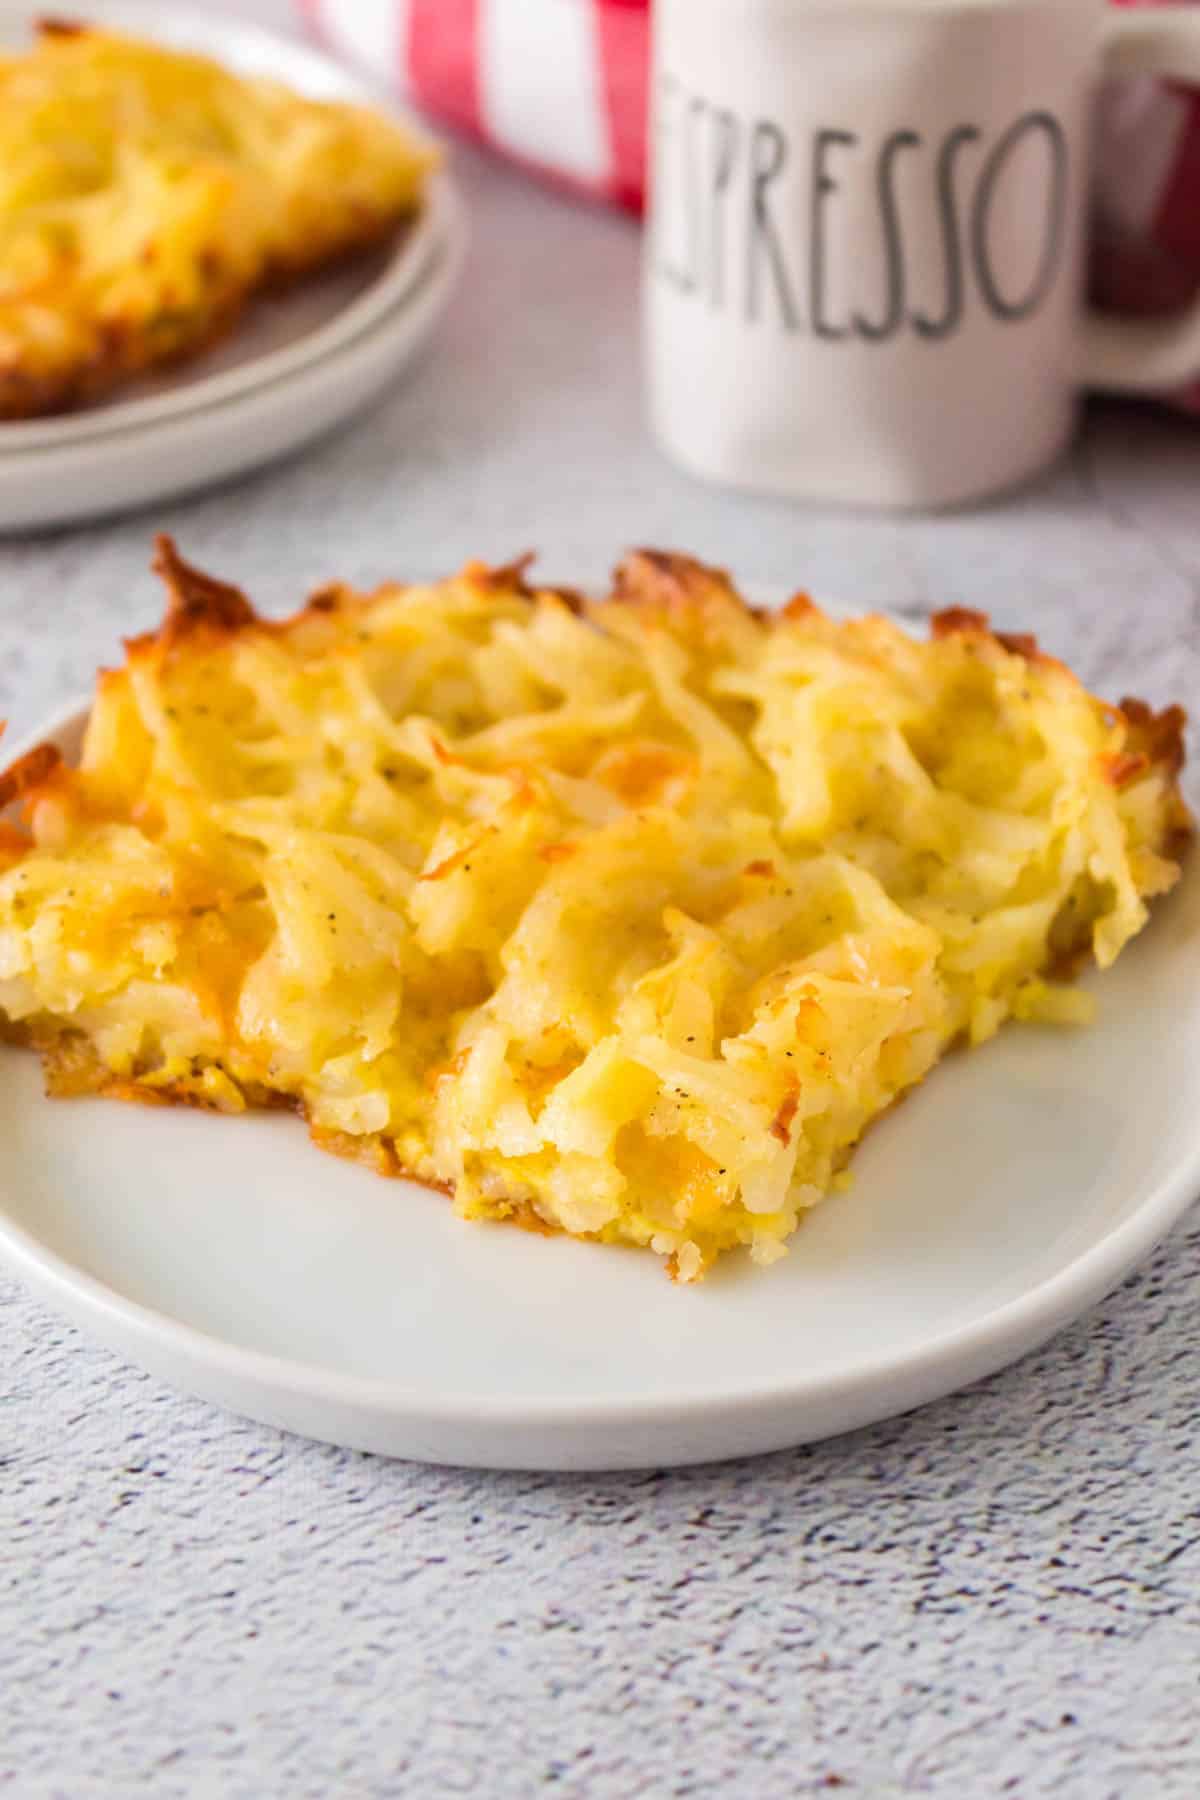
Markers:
point(863, 275)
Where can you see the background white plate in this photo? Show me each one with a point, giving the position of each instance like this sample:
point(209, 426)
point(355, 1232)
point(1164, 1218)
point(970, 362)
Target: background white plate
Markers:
point(297, 364)
point(278, 334)
point(231, 1257)
point(87, 478)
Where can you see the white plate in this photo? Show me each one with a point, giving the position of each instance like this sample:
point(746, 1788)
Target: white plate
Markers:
point(278, 335)
point(131, 468)
point(232, 1258)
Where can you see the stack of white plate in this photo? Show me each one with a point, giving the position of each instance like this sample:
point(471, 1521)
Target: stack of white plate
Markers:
point(297, 365)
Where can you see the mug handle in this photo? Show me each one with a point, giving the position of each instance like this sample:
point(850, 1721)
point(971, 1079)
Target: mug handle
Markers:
point(1141, 356)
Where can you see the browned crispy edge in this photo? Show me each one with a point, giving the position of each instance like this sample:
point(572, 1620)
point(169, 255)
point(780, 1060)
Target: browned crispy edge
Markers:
point(72, 1071)
point(674, 584)
point(199, 604)
point(125, 351)
point(51, 25)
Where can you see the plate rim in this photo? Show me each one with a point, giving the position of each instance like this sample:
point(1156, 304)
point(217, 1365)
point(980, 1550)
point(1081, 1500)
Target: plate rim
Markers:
point(437, 276)
point(970, 1350)
point(70, 483)
point(408, 261)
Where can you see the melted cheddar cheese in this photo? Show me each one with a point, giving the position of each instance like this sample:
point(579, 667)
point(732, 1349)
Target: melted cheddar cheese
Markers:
point(619, 918)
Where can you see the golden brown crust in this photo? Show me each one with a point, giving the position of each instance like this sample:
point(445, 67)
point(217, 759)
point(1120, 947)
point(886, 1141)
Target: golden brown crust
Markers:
point(1120, 767)
point(196, 600)
point(511, 578)
point(1020, 643)
point(1162, 733)
point(506, 577)
point(374, 1152)
point(29, 772)
point(14, 841)
point(659, 577)
point(120, 355)
point(952, 621)
point(673, 582)
point(72, 1070)
point(526, 1217)
point(324, 600)
point(962, 621)
point(574, 601)
point(49, 26)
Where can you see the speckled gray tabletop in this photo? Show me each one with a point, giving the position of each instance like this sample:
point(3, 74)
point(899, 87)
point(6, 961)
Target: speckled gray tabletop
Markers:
point(997, 1595)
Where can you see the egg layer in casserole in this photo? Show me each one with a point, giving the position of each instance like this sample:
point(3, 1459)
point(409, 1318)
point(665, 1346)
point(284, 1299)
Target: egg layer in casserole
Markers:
point(146, 193)
point(621, 919)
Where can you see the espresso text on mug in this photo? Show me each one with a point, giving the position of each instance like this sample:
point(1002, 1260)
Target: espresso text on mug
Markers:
point(744, 215)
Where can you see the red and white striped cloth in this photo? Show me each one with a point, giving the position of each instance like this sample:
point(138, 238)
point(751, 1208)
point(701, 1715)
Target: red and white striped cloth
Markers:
point(559, 86)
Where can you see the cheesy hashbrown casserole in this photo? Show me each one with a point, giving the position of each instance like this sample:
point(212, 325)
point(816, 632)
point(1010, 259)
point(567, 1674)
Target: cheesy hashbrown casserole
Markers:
point(622, 919)
point(147, 193)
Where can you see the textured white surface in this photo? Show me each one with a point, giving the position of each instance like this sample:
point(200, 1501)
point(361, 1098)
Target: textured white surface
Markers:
point(998, 1595)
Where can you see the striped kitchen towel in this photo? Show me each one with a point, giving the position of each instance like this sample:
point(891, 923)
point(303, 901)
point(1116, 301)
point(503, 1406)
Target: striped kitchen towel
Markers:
point(560, 87)
point(557, 85)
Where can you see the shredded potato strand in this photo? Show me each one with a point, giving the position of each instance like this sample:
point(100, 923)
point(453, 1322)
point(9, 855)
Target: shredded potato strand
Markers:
point(623, 919)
